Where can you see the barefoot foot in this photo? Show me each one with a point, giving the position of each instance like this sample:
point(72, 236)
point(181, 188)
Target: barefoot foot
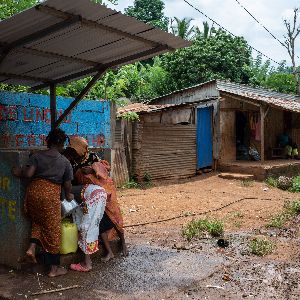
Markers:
point(57, 271)
point(28, 258)
point(125, 250)
point(81, 267)
point(108, 257)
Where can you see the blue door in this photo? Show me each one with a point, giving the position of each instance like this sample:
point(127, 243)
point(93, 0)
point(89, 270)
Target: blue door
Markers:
point(204, 137)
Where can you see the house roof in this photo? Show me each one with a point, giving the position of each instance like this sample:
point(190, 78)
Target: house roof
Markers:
point(279, 100)
point(141, 108)
point(208, 90)
point(57, 41)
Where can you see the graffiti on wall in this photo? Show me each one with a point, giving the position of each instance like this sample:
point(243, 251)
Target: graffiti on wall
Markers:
point(25, 120)
point(7, 206)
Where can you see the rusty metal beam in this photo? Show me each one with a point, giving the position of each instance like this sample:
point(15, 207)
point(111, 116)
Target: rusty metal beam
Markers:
point(103, 66)
point(47, 54)
point(37, 35)
point(24, 77)
point(79, 97)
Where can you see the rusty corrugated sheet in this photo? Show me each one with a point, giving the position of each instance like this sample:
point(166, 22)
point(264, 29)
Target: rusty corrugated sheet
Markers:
point(164, 151)
point(119, 166)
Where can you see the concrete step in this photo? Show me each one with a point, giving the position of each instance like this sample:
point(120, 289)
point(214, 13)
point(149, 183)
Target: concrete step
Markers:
point(236, 176)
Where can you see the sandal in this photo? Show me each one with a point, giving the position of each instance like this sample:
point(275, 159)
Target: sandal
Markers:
point(79, 268)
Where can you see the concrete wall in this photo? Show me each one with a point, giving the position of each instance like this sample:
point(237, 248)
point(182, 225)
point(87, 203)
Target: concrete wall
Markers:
point(14, 227)
point(24, 124)
point(25, 120)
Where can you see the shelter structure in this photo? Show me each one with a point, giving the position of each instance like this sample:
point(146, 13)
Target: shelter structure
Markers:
point(59, 41)
point(229, 119)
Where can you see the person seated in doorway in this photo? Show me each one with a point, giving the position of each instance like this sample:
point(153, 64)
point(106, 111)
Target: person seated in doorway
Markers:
point(290, 148)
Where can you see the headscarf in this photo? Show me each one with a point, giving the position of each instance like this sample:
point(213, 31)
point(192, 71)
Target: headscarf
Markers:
point(80, 145)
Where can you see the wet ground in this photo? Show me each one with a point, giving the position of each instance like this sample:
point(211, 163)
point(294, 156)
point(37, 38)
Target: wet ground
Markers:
point(163, 265)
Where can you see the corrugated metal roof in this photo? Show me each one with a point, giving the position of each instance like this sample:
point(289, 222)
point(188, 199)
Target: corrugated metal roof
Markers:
point(208, 90)
point(140, 108)
point(73, 36)
point(279, 100)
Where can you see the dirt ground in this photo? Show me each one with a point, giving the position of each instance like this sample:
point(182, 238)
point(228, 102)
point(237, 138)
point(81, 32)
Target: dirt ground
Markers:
point(163, 265)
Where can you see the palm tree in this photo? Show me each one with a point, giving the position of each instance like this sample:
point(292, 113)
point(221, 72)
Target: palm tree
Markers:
point(206, 33)
point(182, 28)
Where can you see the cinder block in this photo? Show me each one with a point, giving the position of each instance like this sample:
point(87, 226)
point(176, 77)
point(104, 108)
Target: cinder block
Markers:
point(14, 98)
point(14, 226)
point(91, 105)
point(37, 100)
point(69, 128)
point(63, 102)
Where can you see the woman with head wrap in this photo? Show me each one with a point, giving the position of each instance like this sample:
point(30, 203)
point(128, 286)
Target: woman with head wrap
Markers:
point(90, 169)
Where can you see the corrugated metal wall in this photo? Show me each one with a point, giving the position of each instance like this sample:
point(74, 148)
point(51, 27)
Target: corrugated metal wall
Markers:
point(164, 151)
point(119, 172)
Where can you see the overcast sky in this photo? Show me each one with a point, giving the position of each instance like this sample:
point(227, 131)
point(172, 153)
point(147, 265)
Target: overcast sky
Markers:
point(229, 14)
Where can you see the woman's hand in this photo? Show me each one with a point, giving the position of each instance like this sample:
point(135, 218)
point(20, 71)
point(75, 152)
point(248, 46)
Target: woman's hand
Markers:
point(69, 197)
point(16, 171)
point(87, 170)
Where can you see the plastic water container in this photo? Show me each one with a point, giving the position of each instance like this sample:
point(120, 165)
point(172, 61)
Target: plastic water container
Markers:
point(69, 237)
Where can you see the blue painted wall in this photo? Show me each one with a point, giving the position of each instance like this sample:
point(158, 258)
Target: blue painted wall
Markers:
point(25, 120)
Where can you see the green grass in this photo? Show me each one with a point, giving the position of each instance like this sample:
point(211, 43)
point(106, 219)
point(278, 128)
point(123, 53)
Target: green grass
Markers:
point(247, 183)
point(272, 181)
point(295, 188)
point(290, 210)
point(198, 228)
point(295, 185)
point(278, 221)
point(261, 246)
point(131, 184)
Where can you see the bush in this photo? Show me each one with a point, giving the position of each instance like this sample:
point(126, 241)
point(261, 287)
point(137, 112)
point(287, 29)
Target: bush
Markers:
point(290, 210)
point(261, 247)
point(278, 221)
point(295, 188)
point(131, 184)
point(197, 228)
point(284, 182)
point(271, 181)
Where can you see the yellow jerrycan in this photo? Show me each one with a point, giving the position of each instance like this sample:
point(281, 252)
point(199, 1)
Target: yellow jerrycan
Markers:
point(69, 237)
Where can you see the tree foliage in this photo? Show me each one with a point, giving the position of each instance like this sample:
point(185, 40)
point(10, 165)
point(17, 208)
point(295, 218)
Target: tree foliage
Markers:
point(150, 12)
point(218, 56)
point(293, 31)
point(9, 8)
point(183, 28)
point(279, 79)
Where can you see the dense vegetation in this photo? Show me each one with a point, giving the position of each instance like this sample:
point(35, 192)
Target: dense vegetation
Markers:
point(213, 54)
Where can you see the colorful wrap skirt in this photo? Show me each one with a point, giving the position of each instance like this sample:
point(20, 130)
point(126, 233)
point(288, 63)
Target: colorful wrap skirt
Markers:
point(43, 207)
point(88, 216)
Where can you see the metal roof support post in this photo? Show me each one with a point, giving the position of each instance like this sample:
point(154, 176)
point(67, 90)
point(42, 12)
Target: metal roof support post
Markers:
point(262, 133)
point(79, 97)
point(53, 105)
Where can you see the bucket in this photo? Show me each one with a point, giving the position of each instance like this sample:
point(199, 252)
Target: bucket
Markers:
point(69, 237)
